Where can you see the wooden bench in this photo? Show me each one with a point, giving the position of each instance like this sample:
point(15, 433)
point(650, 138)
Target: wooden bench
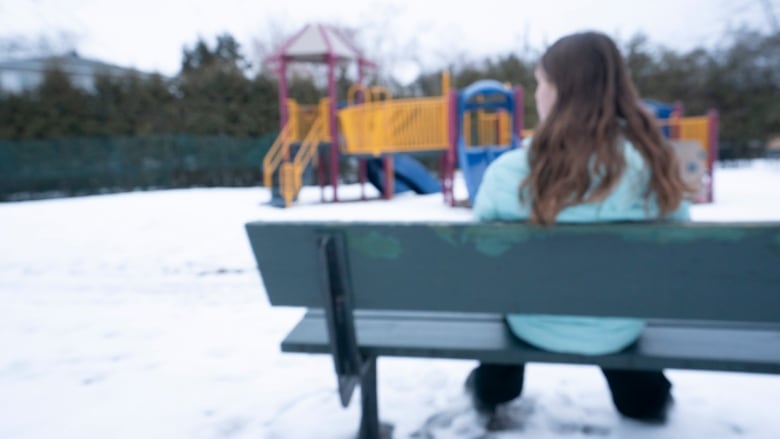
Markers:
point(710, 292)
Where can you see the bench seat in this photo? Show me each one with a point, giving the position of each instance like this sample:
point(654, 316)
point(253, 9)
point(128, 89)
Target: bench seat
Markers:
point(663, 344)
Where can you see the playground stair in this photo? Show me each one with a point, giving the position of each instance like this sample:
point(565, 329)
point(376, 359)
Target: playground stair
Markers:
point(279, 151)
point(291, 171)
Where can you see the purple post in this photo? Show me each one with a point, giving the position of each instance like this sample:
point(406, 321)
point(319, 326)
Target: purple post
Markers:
point(446, 182)
point(359, 98)
point(334, 138)
point(448, 176)
point(678, 110)
point(321, 175)
point(334, 144)
point(362, 171)
point(519, 112)
point(389, 177)
point(283, 111)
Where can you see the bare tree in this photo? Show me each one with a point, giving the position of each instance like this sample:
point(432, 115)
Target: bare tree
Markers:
point(769, 10)
point(14, 46)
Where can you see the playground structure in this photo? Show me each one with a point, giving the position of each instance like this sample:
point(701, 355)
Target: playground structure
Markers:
point(469, 129)
point(488, 121)
point(372, 125)
point(695, 139)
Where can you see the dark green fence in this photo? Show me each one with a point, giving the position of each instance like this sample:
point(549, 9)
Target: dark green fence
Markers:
point(36, 168)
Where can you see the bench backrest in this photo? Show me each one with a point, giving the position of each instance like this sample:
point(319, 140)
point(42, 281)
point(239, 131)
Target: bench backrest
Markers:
point(725, 272)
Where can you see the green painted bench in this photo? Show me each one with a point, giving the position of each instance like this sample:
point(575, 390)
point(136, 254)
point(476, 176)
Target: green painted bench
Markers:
point(710, 292)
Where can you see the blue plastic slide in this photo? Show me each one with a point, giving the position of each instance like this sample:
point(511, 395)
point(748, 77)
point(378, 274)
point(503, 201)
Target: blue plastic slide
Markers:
point(410, 175)
point(473, 163)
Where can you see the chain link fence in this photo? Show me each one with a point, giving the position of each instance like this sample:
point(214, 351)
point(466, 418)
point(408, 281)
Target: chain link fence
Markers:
point(32, 169)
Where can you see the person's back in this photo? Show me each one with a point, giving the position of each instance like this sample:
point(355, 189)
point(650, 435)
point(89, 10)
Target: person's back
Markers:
point(596, 156)
point(499, 199)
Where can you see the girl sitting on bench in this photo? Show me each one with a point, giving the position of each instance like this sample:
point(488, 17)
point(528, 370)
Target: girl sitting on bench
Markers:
point(596, 156)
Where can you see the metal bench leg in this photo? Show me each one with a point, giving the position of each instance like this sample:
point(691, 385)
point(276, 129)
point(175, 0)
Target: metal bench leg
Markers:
point(351, 367)
point(338, 310)
point(369, 419)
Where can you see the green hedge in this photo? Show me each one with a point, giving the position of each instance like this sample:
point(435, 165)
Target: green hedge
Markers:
point(35, 168)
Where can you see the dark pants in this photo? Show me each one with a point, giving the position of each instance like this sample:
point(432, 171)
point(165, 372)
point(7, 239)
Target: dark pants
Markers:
point(636, 394)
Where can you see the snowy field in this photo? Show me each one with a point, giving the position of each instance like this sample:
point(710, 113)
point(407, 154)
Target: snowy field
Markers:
point(142, 315)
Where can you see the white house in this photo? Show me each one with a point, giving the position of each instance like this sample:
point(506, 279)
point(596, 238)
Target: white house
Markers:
point(24, 74)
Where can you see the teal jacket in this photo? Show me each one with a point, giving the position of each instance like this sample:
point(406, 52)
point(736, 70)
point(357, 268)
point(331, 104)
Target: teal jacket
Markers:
point(498, 199)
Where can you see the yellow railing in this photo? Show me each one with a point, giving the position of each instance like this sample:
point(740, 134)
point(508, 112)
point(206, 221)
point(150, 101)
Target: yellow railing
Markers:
point(280, 150)
point(301, 118)
point(291, 173)
point(404, 125)
point(323, 111)
point(685, 128)
point(487, 128)
point(368, 94)
point(493, 128)
point(689, 128)
point(504, 128)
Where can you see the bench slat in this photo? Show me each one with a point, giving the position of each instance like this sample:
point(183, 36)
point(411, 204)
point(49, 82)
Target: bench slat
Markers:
point(487, 338)
point(725, 272)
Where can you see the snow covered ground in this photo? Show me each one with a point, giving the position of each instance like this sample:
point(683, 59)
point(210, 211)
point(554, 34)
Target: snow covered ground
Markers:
point(141, 315)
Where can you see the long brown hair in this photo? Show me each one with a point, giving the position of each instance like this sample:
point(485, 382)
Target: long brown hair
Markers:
point(597, 104)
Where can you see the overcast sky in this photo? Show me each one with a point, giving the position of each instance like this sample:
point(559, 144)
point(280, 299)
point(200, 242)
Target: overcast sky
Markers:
point(406, 34)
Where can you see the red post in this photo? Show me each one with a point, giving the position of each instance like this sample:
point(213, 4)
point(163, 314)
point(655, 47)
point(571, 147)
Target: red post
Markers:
point(713, 120)
point(362, 171)
point(387, 162)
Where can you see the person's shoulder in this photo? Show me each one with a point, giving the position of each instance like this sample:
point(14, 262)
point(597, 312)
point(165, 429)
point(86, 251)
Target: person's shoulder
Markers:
point(497, 197)
point(512, 159)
